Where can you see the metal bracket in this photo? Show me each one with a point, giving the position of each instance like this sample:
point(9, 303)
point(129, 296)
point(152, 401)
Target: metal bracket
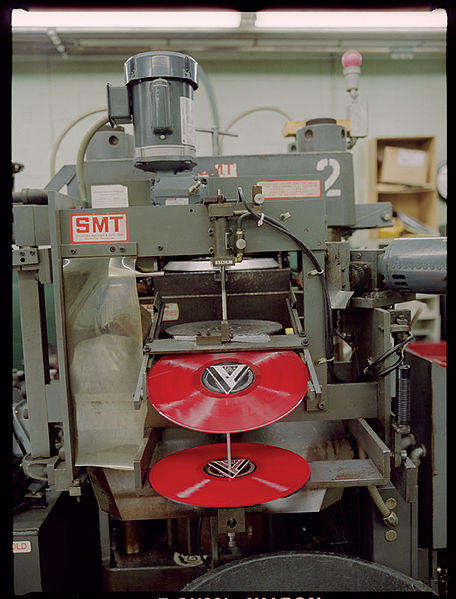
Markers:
point(141, 385)
point(314, 390)
point(144, 455)
point(85, 250)
point(231, 520)
point(46, 465)
point(404, 478)
point(34, 259)
point(374, 447)
point(24, 256)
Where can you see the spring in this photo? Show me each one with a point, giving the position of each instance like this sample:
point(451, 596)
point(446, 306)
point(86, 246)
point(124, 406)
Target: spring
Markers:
point(403, 394)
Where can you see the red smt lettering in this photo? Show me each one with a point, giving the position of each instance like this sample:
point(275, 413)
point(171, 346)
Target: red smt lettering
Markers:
point(99, 228)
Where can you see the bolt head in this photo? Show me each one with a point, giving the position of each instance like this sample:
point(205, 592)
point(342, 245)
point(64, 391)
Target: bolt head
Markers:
point(390, 535)
point(391, 503)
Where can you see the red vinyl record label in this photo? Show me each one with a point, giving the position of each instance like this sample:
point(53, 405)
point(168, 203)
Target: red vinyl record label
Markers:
point(227, 392)
point(202, 476)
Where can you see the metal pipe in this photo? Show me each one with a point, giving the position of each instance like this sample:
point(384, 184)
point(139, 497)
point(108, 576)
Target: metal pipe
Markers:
point(388, 516)
point(417, 453)
point(228, 449)
point(224, 303)
point(81, 153)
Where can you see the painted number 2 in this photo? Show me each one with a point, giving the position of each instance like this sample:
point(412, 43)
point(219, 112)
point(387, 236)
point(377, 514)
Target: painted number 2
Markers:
point(331, 192)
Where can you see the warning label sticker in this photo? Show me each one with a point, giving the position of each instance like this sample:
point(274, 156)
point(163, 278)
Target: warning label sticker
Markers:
point(227, 169)
point(99, 228)
point(109, 196)
point(176, 201)
point(22, 547)
point(291, 188)
point(171, 312)
point(188, 130)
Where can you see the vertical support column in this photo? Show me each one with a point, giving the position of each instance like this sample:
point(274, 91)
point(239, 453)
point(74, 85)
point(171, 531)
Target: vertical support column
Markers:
point(314, 318)
point(373, 337)
point(66, 474)
point(213, 523)
point(36, 364)
point(380, 335)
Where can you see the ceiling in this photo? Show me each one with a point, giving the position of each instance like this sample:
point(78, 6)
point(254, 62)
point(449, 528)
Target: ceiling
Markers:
point(245, 42)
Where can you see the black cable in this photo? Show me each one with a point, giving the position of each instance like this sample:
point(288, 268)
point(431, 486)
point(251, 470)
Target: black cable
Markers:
point(329, 341)
point(398, 349)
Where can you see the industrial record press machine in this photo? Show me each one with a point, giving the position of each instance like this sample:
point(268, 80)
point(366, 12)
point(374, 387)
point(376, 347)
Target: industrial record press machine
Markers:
point(234, 384)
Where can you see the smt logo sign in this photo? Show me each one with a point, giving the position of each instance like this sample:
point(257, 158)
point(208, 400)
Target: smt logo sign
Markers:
point(102, 227)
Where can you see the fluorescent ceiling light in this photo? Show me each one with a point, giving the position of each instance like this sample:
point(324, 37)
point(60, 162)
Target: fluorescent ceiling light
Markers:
point(335, 19)
point(128, 19)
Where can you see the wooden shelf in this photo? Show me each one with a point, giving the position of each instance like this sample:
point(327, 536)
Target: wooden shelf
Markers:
point(397, 188)
point(417, 201)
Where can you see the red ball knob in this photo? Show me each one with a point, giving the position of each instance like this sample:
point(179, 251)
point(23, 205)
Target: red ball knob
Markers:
point(351, 58)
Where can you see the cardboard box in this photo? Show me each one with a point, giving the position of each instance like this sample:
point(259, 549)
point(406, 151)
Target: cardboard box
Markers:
point(404, 165)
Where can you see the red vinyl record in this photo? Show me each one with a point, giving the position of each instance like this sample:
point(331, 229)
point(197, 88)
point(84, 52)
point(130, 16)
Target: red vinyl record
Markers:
point(227, 392)
point(200, 475)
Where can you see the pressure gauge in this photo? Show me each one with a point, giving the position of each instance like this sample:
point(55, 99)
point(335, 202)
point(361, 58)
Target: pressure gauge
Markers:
point(442, 180)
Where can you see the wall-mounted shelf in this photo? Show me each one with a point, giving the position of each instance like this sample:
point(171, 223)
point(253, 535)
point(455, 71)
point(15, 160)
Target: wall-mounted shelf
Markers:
point(416, 201)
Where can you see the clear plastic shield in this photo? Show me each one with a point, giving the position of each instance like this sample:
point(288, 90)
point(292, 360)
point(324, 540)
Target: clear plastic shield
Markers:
point(104, 341)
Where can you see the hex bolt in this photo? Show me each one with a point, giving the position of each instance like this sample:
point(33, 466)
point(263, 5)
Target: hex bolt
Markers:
point(391, 503)
point(321, 405)
point(112, 249)
point(390, 535)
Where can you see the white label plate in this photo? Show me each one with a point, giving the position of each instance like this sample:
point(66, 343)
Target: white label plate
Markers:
point(102, 227)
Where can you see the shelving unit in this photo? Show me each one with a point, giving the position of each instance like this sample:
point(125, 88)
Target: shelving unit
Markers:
point(417, 201)
point(426, 319)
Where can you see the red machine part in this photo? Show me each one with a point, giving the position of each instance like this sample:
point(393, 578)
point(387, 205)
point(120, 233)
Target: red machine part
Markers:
point(227, 392)
point(435, 352)
point(201, 476)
